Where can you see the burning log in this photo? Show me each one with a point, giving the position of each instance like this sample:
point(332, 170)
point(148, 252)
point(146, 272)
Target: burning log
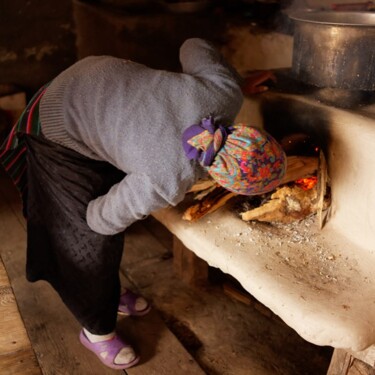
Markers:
point(287, 204)
point(213, 196)
point(300, 167)
point(293, 203)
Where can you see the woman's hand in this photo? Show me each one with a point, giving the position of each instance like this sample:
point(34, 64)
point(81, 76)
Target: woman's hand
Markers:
point(254, 82)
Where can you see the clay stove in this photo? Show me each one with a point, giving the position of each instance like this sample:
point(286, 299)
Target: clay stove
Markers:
point(321, 282)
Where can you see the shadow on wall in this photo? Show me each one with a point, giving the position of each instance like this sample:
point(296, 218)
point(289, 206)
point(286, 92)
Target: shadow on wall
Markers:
point(283, 117)
point(151, 38)
point(37, 41)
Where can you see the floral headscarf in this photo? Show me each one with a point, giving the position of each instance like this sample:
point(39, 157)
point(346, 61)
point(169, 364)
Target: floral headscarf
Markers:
point(241, 158)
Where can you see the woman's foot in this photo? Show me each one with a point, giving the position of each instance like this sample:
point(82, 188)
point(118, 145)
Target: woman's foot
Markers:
point(133, 304)
point(110, 349)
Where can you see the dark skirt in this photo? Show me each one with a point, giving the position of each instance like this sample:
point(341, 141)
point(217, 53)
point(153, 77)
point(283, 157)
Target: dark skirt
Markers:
point(81, 265)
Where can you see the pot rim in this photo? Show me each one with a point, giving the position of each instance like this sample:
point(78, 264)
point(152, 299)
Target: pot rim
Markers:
point(335, 18)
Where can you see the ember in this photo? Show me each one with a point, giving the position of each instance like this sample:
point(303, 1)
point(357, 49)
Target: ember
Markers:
point(307, 183)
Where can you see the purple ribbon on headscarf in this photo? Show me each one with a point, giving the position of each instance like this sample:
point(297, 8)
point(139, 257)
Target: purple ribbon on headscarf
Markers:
point(207, 157)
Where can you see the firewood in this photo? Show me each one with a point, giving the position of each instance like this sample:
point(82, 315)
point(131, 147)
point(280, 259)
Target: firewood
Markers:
point(202, 185)
point(286, 205)
point(213, 196)
point(211, 203)
point(300, 167)
point(322, 190)
point(202, 194)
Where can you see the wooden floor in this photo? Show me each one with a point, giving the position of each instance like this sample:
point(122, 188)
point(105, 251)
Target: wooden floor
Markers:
point(51, 328)
point(16, 353)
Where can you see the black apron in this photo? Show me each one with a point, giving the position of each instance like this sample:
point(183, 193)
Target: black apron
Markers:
point(81, 265)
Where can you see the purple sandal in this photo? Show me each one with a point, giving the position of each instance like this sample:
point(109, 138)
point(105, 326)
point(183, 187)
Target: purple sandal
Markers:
point(128, 303)
point(107, 351)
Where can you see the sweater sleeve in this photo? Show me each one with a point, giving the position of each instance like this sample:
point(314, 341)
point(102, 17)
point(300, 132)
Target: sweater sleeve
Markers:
point(200, 58)
point(132, 199)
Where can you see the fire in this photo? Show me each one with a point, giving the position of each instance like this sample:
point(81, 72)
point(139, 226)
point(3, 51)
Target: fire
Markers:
point(307, 183)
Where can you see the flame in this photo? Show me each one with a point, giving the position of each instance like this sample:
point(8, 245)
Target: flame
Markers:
point(307, 183)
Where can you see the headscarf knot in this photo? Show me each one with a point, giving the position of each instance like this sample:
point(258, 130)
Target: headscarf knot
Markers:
point(203, 141)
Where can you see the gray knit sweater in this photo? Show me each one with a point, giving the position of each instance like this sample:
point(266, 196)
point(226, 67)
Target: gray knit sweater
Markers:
point(133, 117)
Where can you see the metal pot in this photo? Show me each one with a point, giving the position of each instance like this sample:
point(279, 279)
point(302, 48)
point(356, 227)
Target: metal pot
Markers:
point(334, 49)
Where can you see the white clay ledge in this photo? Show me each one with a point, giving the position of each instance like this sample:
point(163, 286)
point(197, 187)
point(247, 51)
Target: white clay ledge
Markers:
point(312, 280)
point(320, 282)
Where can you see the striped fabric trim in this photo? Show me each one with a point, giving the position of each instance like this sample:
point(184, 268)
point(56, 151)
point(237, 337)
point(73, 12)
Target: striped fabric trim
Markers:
point(13, 150)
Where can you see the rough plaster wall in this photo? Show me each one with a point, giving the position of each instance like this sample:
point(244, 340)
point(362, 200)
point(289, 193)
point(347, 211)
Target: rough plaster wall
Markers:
point(249, 49)
point(37, 41)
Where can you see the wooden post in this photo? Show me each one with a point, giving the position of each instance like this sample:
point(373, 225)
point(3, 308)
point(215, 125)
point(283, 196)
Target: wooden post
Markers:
point(190, 268)
point(344, 363)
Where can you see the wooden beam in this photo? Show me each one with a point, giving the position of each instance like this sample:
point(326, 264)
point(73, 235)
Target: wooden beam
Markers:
point(344, 363)
point(367, 355)
point(187, 265)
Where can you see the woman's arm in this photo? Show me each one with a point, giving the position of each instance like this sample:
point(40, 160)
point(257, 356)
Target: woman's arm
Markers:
point(200, 58)
point(132, 199)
